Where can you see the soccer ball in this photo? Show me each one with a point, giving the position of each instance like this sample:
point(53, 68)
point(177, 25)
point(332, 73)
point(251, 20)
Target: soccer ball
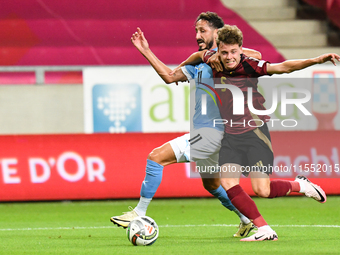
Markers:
point(142, 230)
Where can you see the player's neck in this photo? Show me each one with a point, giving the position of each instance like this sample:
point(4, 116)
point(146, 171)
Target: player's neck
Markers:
point(214, 46)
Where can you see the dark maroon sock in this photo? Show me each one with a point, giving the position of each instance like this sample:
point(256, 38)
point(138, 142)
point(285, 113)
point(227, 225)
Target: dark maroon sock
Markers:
point(259, 222)
point(279, 188)
point(295, 186)
point(242, 201)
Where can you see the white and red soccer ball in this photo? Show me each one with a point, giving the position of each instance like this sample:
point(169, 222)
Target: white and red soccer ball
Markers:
point(142, 230)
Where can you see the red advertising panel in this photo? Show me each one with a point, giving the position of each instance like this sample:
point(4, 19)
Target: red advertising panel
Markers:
point(111, 166)
point(53, 167)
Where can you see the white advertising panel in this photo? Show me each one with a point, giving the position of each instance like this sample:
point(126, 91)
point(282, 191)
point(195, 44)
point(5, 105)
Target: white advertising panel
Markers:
point(135, 99)
point(318, 88)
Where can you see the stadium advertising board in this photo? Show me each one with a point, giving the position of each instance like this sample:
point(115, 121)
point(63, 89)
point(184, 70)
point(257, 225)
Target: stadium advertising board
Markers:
point(308, 99)
point(135, 99)
point(112, 166)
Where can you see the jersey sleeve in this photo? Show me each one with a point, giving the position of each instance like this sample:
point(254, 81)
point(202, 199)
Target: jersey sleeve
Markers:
point(189, 71)
point(261, 68)
point(255, 67)
point(207, 55)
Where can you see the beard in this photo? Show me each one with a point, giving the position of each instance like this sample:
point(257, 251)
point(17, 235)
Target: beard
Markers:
point(208, 46)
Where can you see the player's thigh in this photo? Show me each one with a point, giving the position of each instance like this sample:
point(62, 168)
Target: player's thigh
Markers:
point(208, 167)
point(163, 155)
point(204, 142)
point(198, 145)
point(260, 155)
point(230, 153)
point(181, 148)
point(209, 170)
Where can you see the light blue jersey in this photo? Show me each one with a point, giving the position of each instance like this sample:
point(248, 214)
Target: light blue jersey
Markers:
point(203, 73)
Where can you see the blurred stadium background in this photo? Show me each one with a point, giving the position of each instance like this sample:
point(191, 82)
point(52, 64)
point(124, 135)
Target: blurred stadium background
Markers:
point(80, 109)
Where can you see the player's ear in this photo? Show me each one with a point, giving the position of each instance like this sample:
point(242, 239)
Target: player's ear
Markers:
point(215, 34)
point(241, 49)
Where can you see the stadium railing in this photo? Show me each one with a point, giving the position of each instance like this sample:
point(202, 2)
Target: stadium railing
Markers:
point(39, 71)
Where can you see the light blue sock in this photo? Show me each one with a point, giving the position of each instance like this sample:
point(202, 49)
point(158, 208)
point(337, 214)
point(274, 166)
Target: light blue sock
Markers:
point(221, 194)
point(152, 180)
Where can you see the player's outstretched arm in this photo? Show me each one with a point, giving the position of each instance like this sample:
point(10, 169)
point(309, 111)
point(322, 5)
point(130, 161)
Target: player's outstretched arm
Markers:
point(139, 41)
point(194, 59)
point(289, 66)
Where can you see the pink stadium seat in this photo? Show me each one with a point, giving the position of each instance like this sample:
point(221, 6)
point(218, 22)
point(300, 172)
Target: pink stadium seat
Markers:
point(63, 32)
point(48, 32)
point(331, 7)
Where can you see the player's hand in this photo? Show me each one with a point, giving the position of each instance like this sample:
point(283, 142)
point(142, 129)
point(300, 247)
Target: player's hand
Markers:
point(329, 57)
point(139, 41)
point(215, 62)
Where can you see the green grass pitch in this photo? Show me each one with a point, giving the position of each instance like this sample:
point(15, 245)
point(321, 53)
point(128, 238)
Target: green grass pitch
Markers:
point(187, 226)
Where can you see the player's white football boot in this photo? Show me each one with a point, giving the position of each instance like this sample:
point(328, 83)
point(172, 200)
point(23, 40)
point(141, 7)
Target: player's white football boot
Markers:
point(244, 229)
point(312, 190)
point(263, 234)
point(125, 219)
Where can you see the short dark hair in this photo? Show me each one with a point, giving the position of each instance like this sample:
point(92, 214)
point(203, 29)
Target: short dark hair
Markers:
point(229, 35)
point(212, 18)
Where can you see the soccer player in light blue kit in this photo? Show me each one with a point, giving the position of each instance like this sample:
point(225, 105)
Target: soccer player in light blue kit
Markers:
point(203, 143)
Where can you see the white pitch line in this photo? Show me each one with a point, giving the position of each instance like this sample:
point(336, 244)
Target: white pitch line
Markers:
point(167, 226)
point(233, 225)
point(59, 228)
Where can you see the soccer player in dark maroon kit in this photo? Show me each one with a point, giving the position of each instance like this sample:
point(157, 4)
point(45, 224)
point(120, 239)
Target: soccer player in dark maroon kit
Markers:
point(246, 142)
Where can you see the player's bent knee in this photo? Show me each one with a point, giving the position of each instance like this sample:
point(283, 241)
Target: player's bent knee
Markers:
point(155, 156)
point(262, 192)
point(228, 183)
point(162, 157)
point(211, 184)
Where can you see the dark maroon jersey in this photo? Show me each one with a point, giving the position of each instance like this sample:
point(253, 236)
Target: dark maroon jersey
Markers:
point(245, 75)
